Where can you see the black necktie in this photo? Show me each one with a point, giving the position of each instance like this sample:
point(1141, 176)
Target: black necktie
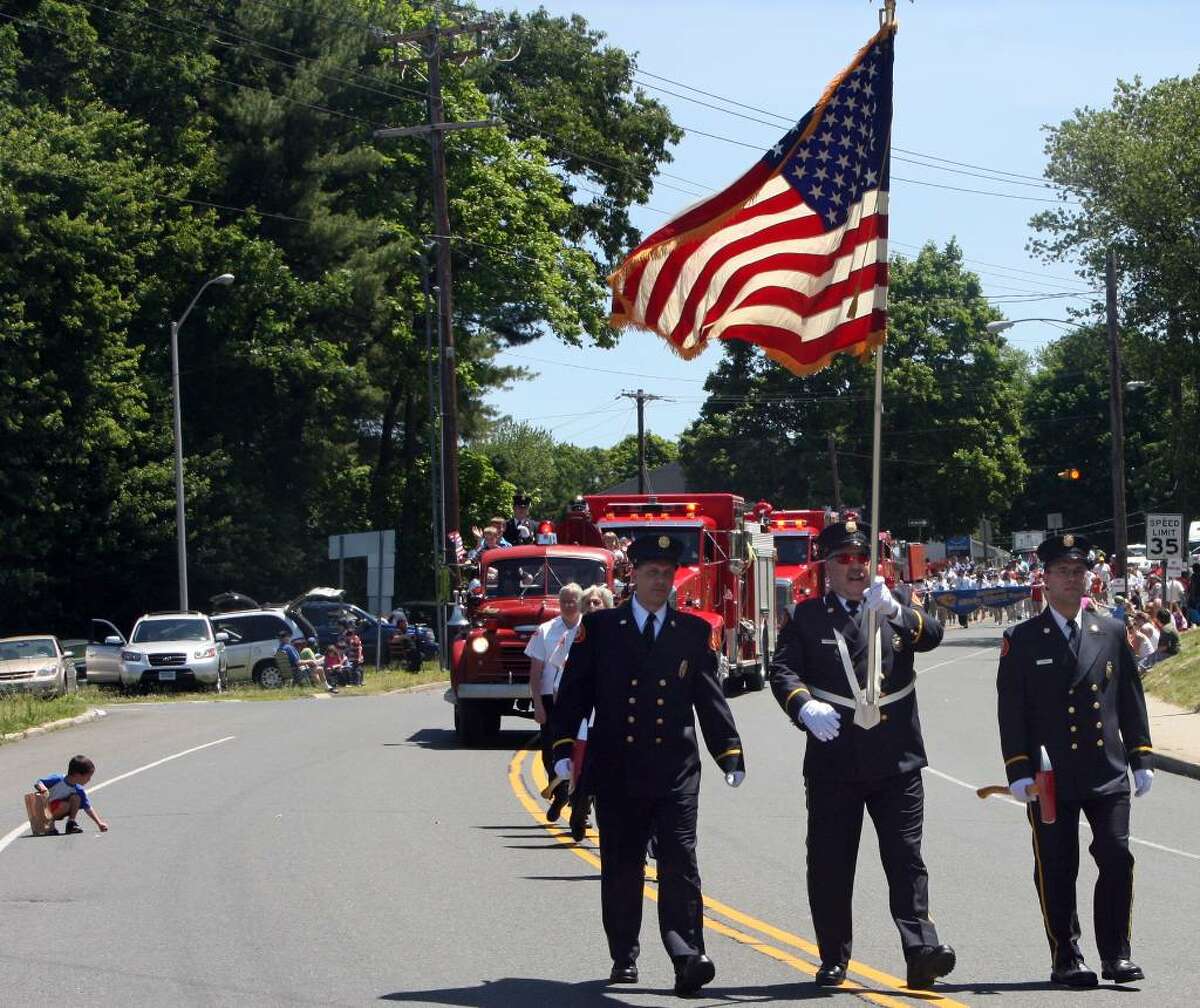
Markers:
point(1073, 637)
point(852, 608)
point(648, 630)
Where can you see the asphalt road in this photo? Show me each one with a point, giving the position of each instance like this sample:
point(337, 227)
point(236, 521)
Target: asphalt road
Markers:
point(343, 852)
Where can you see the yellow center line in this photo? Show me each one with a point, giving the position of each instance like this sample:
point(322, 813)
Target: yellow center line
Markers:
point(538, 776)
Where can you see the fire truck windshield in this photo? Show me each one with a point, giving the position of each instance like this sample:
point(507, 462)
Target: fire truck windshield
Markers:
point(689, 536)
point(538, 576)
point(791, 549)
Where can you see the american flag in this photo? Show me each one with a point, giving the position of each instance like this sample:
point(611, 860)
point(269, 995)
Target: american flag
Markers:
point(793, 255)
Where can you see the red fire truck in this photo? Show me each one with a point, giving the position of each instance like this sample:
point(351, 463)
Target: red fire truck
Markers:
point(726, 574)
point(517, 590)
point(797, 573)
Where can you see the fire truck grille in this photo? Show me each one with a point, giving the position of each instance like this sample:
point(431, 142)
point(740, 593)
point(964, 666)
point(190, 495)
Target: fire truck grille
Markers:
point(515, 664)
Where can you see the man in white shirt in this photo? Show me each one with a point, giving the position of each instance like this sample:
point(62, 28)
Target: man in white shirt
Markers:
point(547, 650)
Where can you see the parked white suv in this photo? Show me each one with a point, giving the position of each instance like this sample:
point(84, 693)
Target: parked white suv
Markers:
point(173, 647)
point(253, 640)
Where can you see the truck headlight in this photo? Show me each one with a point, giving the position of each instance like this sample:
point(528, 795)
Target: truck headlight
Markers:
point(131, 656)
point(480, 644)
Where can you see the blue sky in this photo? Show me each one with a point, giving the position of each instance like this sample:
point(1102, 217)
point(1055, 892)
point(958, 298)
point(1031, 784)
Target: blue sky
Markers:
point(974, 83)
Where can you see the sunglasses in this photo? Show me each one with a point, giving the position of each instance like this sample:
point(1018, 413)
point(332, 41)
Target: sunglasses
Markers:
point(846, 559)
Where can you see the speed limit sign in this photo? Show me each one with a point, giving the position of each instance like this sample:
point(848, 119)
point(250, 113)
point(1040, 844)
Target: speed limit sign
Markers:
point(1164, 537)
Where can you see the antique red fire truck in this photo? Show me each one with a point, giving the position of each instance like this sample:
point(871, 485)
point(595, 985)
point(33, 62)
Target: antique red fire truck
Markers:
point(517, 590)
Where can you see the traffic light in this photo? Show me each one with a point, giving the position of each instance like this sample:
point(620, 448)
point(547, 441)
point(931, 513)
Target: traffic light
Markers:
point(1069, 474)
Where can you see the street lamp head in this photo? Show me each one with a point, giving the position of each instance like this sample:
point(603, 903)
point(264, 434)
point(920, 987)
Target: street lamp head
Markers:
point(997, 327)
point(225, 279)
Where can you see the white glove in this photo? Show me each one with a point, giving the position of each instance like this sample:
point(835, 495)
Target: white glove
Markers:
point(880, 599)
point(735, 779)
point(821, 719)
point(562, 768)
point(1142, 779)
point(1020, 789)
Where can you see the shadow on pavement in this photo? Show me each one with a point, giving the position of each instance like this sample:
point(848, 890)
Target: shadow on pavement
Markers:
point(562, 878)
point(967, 640)
point(444, 739)
point(513, 991)
point(987, 987)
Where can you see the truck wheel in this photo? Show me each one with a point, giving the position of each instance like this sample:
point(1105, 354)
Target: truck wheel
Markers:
point(474, 722)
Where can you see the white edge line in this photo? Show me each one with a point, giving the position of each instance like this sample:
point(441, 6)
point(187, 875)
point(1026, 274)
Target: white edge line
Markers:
point(1013, 801)
point(12, 835)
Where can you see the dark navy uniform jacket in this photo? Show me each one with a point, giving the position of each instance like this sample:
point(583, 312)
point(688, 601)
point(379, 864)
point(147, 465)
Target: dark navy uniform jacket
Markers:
point(1089, 713)
point(808, 657)
point(643, 741)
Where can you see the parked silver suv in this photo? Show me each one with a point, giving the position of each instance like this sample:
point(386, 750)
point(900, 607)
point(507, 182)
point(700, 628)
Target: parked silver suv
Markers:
point(174, 647)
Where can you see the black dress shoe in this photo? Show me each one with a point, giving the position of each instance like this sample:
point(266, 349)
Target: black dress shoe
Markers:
point(831, 976)
point(623, 972)
point(1121, 970)
point(693, 972)
point(928, 963)
point(557, 803)
point(1073, 973)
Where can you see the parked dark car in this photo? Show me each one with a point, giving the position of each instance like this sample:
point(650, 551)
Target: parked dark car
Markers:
point(325, 615)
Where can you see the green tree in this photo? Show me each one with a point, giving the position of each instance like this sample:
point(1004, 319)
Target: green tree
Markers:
point(951, 450)
point(1131, 171)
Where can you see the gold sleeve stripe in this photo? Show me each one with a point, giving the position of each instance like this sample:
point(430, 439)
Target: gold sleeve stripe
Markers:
point(920, 625)
point(563, 741)
point(796, 692)
point(1016, 759)
point(1142, 748)
point(730, 752)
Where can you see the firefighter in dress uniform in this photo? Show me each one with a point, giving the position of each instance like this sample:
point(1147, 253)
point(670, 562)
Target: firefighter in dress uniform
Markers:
point(1068, 683)
point(644, 668)
point(860, 755)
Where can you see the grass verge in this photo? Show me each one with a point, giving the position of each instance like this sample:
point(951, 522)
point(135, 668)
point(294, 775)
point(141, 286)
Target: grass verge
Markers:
point(19, 711)
point(1177, 680)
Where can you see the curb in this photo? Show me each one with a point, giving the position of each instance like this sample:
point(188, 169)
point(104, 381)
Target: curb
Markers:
point(49, 726)
point(1173, 765)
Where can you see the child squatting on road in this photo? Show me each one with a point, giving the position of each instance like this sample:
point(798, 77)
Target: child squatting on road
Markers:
point(63, 797)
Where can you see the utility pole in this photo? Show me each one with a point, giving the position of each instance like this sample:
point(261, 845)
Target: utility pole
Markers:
point(1116, 406)
point(641, 398)
point(837, 486)
point(433, 38)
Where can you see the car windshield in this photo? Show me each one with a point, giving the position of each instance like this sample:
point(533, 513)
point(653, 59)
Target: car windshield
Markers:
point(154, 631)
point(791, 549)
point(688, 535)
point(535, 575)
point(27, 649)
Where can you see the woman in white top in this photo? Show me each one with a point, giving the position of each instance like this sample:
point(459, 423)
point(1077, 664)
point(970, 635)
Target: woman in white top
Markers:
point(547, 650)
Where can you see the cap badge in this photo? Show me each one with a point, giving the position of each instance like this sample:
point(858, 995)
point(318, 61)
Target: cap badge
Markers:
point(851, 526)
point(1068, 540)
point(664, 542)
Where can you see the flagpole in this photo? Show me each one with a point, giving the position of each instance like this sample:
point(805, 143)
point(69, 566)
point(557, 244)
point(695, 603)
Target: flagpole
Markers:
point(887, 15)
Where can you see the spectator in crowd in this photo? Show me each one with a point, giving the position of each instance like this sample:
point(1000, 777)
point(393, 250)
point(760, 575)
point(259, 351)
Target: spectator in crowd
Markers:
point(547, 650)
point(520, 520)
point(1178, 618)
point(1173, 591)
point(1139, 640)
point(313, 665)
point(595, 597)
point(1191, 601)
point(1103, 573)
point(287, 659)
point(351, 646)
point(1168, 636)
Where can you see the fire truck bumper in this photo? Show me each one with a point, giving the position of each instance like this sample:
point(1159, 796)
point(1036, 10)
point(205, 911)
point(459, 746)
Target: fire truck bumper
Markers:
point(487, 691)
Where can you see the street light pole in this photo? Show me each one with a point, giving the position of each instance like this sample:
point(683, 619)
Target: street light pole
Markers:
point(180, 520)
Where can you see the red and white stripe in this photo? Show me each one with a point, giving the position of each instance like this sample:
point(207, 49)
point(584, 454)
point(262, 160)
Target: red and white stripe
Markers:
point(770, 274)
